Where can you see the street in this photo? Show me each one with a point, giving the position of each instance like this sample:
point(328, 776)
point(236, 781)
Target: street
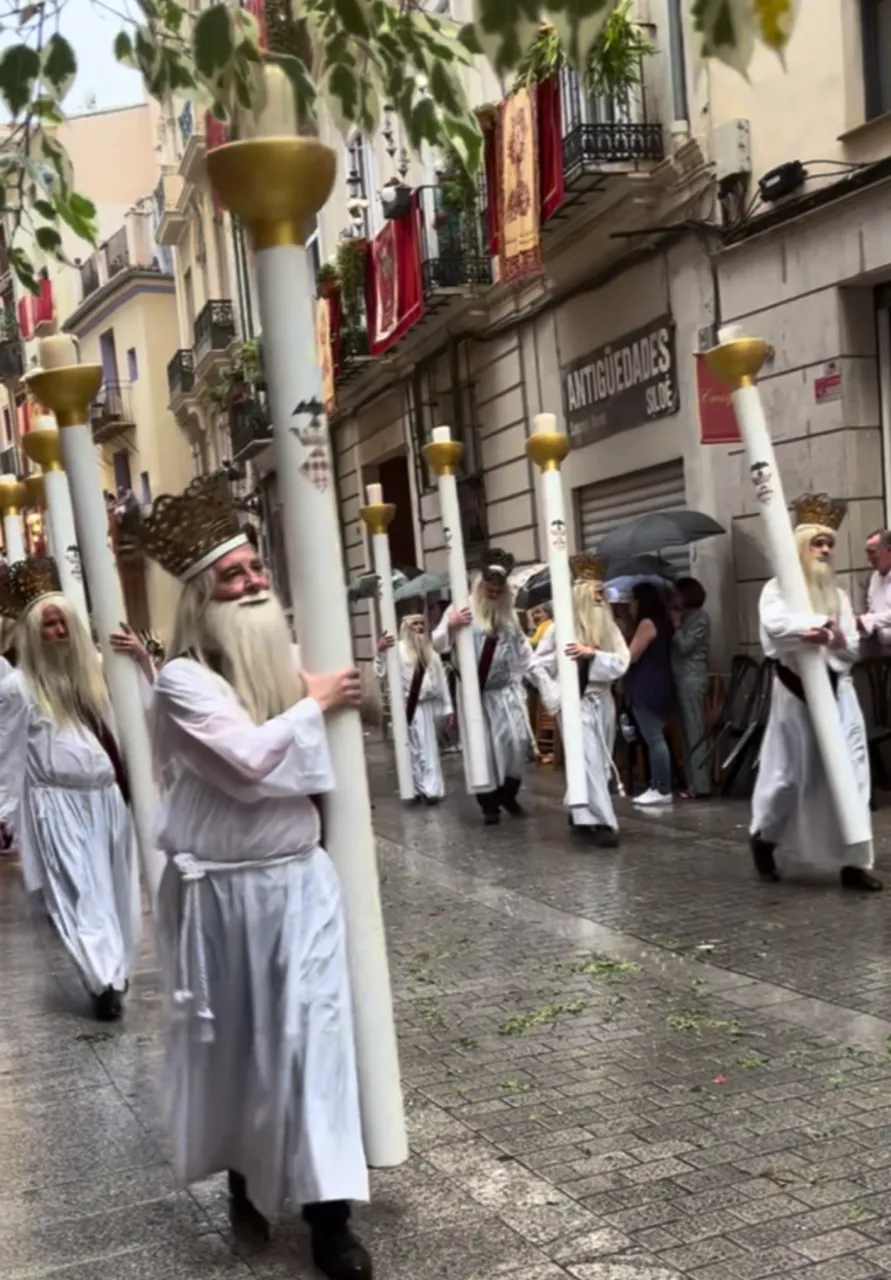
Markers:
point(619, 1065)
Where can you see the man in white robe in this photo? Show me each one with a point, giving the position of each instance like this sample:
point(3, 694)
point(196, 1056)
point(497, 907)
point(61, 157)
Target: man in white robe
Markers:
point(262, 1077)
point(793, 817)
point(64, 794)
point(504, 661)
point(602, 656)
point(427, 702)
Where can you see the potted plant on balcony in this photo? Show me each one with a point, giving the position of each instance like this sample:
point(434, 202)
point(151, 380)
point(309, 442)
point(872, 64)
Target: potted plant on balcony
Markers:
point(455, 221)
point(351, 257)
point(327, 280)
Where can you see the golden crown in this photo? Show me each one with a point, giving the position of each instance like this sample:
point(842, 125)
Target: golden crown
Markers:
point(25, 582)
point(819, 509)
point(587, 568)
point(186, 532)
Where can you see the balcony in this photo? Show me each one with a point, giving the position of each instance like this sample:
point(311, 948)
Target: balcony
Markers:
point(194, 148)
point(181, 374)
point(599, 133)
point(110, 413)
point(12, 360)
point(89, 276)
point(173, 221)
point(43, 309)
point(454, 254)
point(117, 253)
point(214, 333)
point(250, 428)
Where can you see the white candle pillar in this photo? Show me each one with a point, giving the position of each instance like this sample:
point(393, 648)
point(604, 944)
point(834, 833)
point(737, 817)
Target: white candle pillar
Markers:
point(43, 446)
point(737, 361)
point(442, 456)
point(377, 516)
point(276, 185)
point(547, 447)
point(67, 388)
point(12, 501)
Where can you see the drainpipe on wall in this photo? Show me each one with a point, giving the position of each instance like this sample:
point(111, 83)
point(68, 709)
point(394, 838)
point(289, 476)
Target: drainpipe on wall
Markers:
point(680, 125)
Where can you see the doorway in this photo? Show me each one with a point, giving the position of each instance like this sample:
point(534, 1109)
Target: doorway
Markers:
point(393, 478)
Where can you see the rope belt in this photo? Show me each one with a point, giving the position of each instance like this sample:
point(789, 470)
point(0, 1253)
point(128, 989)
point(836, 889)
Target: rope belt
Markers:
point(192, 871)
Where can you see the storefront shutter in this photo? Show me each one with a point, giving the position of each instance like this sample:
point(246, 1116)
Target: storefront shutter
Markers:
point(601, 507)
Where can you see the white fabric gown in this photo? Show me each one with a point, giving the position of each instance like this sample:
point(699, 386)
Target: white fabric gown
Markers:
point(791, 804)
point(598, 726)
point(59, 796)
point(261, 1055)
point(505, 715)
point(434, 702)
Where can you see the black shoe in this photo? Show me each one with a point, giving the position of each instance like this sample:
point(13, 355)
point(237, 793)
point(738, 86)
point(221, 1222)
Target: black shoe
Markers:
point(605, 837)
point(108, 1005)
point(431, 801)
point(858, 878)
point(762, 856)
point(416, 800)
point(513, 807)
point(248, 1223)
point(339, 1255)
point(491, 819)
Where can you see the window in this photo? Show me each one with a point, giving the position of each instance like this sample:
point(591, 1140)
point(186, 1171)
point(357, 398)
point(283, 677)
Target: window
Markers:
point(360, 184)
point(876, 24)
point(145, 486)
point(314, 249)
point(7, 426)
point(132, 364)
point(121, 463)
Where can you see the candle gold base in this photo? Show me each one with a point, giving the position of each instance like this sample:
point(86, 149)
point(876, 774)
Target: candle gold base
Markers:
point(737, 362)
point(275, 186)
point(378, 516)
point(35, 492)
point(547, 449)
point(12, 495)
point(67, 391)
point(443, 456)
point(42, 446)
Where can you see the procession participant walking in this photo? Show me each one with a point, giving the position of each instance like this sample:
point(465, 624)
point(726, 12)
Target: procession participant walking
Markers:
point(427, 702)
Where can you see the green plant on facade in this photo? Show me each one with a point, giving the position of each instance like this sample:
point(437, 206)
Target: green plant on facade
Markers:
point(327, 272)
point(614, 68)
point(245, 370)
point(343, 58)
point(349, 261)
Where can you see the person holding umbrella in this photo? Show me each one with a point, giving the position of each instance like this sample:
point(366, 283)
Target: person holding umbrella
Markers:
point(649, 686)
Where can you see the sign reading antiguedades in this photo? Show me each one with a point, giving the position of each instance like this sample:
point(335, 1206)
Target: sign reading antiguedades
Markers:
point(623, 384)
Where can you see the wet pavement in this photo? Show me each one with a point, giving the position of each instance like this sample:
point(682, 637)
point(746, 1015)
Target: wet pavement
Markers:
point(619, 1065)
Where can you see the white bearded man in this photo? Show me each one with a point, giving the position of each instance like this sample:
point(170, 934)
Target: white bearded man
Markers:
point(793, 817)
point(504, 660)
point(262, 1072)
point(427, 700)
point(64, 793)
point(603, 658)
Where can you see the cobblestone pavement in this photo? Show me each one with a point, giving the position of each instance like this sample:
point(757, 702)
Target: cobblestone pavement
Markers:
point(628, 1065)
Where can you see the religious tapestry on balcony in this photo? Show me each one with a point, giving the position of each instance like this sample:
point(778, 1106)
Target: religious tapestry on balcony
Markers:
point(394, 291)
point(548, 136)
point(327, 329)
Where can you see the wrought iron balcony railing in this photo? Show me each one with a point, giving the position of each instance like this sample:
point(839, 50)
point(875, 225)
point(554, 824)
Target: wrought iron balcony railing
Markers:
point(110, 412)
point(454, 251)
point(600, 131)
point(181, 372)
point(89, 276)
point(214, 327)
point(117, 254)
point(250, 427)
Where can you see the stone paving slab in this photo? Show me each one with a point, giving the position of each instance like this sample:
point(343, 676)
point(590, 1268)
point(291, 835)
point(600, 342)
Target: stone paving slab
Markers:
point(605, 1079)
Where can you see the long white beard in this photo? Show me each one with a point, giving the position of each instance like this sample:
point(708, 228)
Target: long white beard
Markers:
point(415, 646)
point(252, 638)
point(66, 680)
point(823, 592)
point(493, 615)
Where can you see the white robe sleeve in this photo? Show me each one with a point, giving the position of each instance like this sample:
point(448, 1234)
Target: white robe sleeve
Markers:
point(286, 756)
point(440, 639)
point(14, 715)
point(443, 695)
point(607, 668)
point(782, 626)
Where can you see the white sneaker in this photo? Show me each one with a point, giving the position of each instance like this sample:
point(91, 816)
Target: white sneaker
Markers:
point(645, 797)
point(653, 797)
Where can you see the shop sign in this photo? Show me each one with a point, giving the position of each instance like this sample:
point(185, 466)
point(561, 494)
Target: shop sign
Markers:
point(623, 384)
point(828, 386)
point(717, 420)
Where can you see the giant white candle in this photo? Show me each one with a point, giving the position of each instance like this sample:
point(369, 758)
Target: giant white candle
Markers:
point(547, 447)
point(377, 516)
point(442, 456)
point(12, 501)
point(67, 388)
point(276, 185)
point(737, 361)
point(42, 445)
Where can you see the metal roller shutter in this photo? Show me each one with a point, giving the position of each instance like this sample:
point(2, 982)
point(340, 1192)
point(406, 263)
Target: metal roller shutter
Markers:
point(601, 507)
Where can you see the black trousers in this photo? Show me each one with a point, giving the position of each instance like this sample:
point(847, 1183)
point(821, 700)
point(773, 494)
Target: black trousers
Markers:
point(492, 801)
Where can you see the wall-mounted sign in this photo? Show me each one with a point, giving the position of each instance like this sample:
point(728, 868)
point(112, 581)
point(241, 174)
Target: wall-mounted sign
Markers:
point(717, 420)
point(623, 384)
point(828, 385)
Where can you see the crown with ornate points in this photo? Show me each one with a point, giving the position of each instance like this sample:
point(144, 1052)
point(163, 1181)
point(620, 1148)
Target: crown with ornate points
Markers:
point(819, 510)
point(495, 565)
point(25, 582)
point(189, 531)
point(586, 568)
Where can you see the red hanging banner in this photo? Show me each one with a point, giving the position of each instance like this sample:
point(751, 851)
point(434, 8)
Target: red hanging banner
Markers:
point(394, 291)
point(717, 419)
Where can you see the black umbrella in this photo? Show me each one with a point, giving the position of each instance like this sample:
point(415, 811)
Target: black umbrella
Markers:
point(657, 530)
point(535, 590)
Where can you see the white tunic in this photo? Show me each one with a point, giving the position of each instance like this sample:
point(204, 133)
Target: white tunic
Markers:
point(434, 702)
point(506, 718)
point(59, 796)
point(262, 1062)
point(598, 726)
point(791, 804)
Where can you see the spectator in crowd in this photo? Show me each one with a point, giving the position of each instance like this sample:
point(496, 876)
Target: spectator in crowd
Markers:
point(876, 621)
point(649, 687)
point(689, 663)
point(541, 619)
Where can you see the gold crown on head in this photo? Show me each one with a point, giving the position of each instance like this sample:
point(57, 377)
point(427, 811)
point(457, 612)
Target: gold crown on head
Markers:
point(25, 582)
point(819, 509)
point(187, 532)
point(587, 568)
